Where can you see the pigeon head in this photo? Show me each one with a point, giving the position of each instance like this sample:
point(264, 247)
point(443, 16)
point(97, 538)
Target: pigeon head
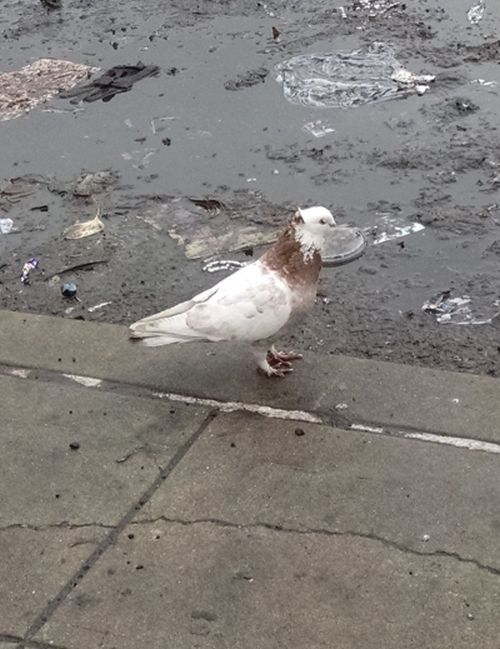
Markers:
point(311, 225)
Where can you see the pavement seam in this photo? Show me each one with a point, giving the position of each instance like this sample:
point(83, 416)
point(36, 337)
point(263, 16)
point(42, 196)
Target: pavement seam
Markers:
point(112, 537)
point(8, 638)
point(312, 531)
point(29, 644)
point(334, 420)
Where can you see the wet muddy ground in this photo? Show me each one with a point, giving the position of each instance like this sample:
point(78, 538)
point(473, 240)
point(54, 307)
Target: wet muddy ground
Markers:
point(215, 124)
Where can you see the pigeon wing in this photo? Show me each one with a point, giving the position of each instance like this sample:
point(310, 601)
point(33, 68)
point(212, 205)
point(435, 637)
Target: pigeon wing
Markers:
point(251, 304)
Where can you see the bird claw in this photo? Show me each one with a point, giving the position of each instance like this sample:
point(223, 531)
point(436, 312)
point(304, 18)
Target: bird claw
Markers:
point(279, 371)
point(279, 358)
point(277, 363)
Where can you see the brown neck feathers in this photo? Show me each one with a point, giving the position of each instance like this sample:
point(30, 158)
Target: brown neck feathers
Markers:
point(286, 257)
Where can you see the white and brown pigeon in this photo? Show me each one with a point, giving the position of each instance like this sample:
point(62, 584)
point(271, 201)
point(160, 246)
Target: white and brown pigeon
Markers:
point(254, 303)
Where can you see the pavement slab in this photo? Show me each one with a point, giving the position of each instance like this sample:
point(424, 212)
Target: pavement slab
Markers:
point(427, 499)
point(341, 389)
point(35, 565)
point(58, 502)
point(209, 586)
point(123, 442)
point(132, 520)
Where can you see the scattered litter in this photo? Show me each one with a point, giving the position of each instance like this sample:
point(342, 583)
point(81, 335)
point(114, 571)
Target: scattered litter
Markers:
point(483, 82)
point(390, 227)
point(27, 268)
point(266, 9)
point(476, 12)
point(341, 406)
point(276, 33)
point(212, 205)
point(52, 4)
point(457, 310)
point(116, 80)
point(240, 226)
point(223, 264)
point(6, 226)
point(465, 105)
point(154, 128)
point(74, 446)
point(318, 128)
point(83, 265)
point(342, 12)
point(247, 80)
point(426, 537)
point(14, 189)
point(93, 183)
point(139, 156)
point(68, 289)
point(96, 307)
point(197, 133)
point(205, 243)
point(22, 90)
point(375, 7)
point(347, 79)
point(85, 228)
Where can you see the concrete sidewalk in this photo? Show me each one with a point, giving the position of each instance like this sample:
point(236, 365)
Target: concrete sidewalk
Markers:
point(172, 498)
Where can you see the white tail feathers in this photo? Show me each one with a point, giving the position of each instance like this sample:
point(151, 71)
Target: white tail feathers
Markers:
point(157, 340)
point(157, 331)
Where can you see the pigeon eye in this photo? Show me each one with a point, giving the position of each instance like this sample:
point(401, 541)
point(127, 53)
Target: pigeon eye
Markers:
point(322, 221)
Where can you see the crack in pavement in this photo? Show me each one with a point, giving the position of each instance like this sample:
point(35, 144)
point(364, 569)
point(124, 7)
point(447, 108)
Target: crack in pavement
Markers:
point(61, 525)
point(111, 538)
point(325, 532)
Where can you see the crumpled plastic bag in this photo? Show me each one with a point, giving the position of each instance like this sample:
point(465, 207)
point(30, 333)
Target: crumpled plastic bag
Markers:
point(347, 79)
point(460, 310)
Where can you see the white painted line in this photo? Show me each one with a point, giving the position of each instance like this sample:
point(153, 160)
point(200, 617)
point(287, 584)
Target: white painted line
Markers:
point(367, 429)
point(293, 415)
point(21, 373)
point(434, 438)
point(87, 381)
point(235, 406)
point(459, 442)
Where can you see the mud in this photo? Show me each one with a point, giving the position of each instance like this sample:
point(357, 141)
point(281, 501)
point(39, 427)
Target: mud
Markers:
point(431, 159)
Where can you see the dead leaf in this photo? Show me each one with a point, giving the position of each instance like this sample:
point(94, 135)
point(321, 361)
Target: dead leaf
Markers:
point(84, 229)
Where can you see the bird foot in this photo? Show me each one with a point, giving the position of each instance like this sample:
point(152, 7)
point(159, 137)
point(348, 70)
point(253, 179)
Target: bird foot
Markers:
point(281, 358)
point(277, 363)
point(268, 370)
